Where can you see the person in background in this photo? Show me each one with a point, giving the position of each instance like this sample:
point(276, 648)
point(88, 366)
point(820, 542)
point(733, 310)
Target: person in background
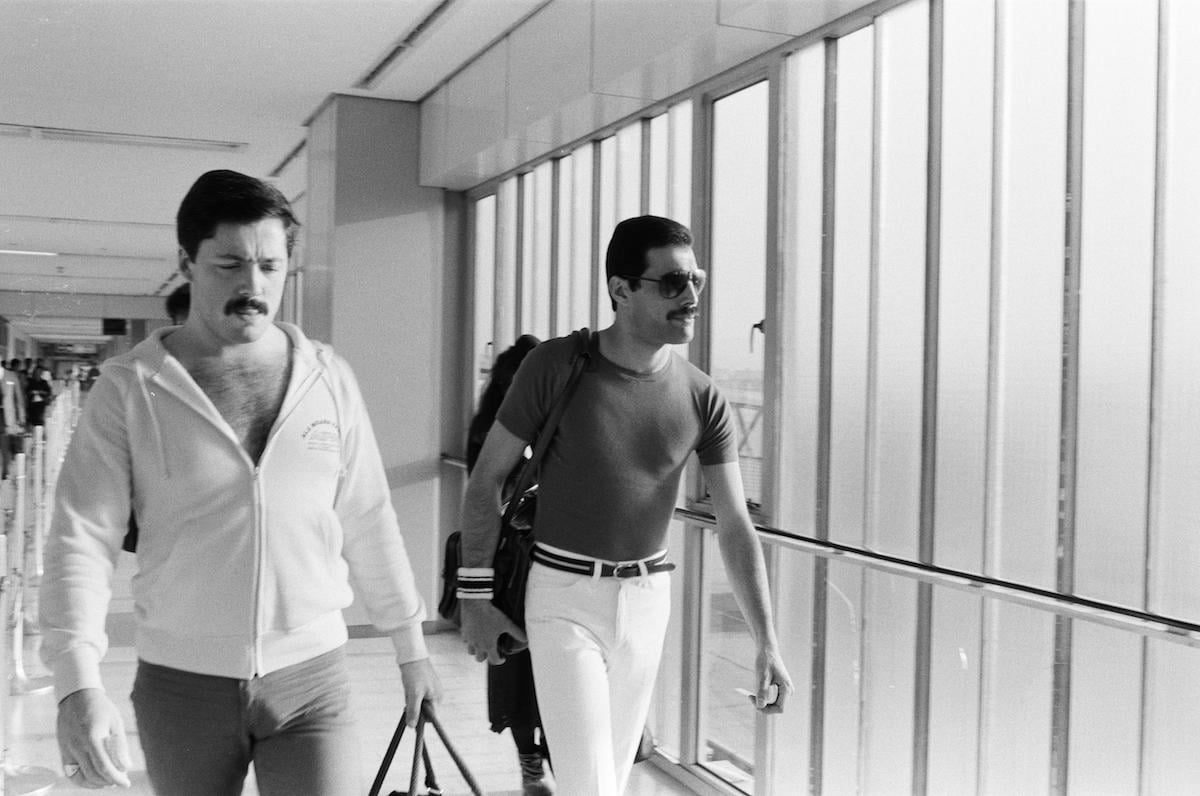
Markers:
point(18, 371)
point(598, 597)
point(38, 394)
point(89, 377)
point(12, 402)
point(512, 700)
point(260, 492)
point(178, 303)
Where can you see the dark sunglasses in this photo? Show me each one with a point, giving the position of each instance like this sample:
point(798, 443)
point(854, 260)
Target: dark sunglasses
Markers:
point(672, 284)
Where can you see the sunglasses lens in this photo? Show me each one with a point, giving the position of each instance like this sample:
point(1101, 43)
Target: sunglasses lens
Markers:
point(674, 283)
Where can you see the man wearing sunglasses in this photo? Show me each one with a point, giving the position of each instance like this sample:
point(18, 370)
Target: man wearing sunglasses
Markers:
point(598, 597)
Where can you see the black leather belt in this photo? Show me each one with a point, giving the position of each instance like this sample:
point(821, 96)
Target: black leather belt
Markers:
point(589, 567)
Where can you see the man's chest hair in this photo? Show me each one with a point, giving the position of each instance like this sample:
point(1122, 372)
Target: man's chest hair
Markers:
point(246, 395)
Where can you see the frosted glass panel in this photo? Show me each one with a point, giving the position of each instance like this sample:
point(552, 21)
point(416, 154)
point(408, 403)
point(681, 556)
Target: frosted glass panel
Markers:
point(801, 285)
point(1175, 511)
point(964, 282)
point(629, 171)
point(792, 584)
point(660, 165)
point(851, 322)
point(609, 214)
point(888, 674)
point(670, 183)
point(1171, 764)
point(506, 265)
point(1115, 299)
point(842, 697)
point(482, 350)
point(727, 664)
point(679, 177)
point(1032, 43)
point(898, 337)
point(1018, 666)
point(574, 263)
point(666, 711)
point(955, 678)
point(1106, 715)
point(535, 262)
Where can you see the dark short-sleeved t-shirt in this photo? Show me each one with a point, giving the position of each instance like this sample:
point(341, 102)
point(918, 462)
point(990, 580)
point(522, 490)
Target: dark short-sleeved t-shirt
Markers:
point(611, 475)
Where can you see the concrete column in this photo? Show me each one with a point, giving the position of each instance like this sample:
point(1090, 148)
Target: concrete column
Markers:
point(374, 262)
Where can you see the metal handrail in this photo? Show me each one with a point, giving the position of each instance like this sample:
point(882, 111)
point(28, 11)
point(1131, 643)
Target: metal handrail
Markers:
point(1122, 617)
point(454, 461)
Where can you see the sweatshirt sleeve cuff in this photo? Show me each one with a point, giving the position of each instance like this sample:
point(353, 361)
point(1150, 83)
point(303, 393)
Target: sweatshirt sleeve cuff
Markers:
point(75, 670)
point(410, 644)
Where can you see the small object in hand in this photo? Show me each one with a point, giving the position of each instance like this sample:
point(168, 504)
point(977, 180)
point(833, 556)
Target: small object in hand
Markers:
point(772, 696)
point(507, 645)
point(70, 769)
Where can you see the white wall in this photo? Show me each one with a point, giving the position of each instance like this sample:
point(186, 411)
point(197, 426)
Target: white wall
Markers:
point(378, 238)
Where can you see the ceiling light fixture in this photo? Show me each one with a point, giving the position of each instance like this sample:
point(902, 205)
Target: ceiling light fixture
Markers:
point(376, 72)
point(35, 254)
point(127, 139)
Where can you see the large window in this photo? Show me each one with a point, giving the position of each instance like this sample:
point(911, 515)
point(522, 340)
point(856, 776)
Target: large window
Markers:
point(738, 267)
point(954, 302)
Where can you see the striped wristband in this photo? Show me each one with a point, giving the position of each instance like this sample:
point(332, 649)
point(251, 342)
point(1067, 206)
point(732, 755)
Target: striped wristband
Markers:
point(476, 583)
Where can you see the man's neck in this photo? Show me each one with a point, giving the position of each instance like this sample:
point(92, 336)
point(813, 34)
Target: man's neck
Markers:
point(630, 353)
point(190, 344)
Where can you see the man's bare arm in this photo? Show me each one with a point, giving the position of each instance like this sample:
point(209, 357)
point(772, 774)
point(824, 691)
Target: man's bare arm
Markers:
point(482, 623)
point(743, 559)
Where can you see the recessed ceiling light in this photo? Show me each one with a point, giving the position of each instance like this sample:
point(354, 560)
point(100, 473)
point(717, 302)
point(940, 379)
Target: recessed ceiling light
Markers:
point(101, 137)
point(35, 254)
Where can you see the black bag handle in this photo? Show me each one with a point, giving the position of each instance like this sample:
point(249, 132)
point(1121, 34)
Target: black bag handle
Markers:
point(579, 361)
point(421, 753)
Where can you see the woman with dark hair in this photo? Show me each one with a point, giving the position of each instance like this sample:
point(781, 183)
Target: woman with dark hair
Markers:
point(512, 701)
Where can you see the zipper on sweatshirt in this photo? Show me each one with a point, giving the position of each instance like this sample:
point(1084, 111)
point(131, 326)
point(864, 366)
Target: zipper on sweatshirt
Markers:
point(260, 515)
point(260, 537)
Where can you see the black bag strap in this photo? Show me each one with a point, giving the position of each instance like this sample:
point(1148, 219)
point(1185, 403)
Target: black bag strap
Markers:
point(579, 361)
point(421, 753)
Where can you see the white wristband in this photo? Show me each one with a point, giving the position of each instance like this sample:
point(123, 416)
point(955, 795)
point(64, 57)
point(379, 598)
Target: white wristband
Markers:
point(476, 583)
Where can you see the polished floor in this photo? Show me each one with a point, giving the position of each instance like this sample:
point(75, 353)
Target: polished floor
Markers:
point(32, 762)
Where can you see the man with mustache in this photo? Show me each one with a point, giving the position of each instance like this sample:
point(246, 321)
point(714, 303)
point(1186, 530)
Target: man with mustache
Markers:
point(598, 596)
point(246, 452)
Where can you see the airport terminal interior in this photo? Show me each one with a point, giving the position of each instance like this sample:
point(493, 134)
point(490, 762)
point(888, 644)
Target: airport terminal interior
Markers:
point(953, 302)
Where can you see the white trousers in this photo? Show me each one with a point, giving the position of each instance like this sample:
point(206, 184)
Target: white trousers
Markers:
point(595, 644)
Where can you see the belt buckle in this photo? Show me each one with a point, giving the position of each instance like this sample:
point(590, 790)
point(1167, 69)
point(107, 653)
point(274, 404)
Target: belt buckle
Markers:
point(630, 570)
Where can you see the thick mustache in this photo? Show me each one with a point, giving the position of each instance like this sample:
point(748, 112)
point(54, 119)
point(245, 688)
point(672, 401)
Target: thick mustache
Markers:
point(243, 303)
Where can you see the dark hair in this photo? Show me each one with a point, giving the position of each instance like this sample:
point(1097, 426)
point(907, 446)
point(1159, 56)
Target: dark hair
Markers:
point(180, 301)
point(633, 237)
point(503, 370)
point(225, 196)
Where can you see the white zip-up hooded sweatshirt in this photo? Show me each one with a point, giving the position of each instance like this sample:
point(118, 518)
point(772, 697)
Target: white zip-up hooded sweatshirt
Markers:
point(241, 569)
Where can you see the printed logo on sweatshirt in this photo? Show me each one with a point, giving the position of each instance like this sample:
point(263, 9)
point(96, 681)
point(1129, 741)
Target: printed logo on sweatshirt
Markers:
point(322, 435)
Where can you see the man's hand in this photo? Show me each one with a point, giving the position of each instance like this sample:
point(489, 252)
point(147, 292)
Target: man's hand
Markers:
point(483, 625)
point(91, 740)
point(774, 683)
point(421, 683)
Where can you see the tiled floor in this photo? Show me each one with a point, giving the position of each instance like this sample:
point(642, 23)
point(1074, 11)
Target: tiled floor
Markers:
point(378, 701)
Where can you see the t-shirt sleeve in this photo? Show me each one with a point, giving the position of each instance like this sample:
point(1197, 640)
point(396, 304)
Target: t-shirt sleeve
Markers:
point(718, 439)
point(524, 408)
